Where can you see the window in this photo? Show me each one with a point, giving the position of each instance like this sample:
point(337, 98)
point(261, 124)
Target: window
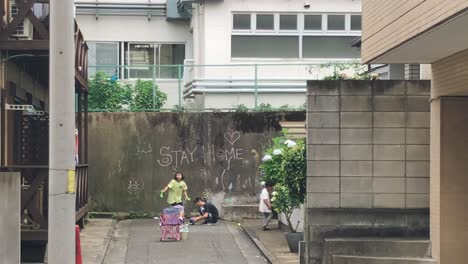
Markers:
point(241, 21)
point(355, 22)
point(142, 57)
point(103, 56)
point(265, 22)
point(265, 47)
point(336, 22)
point(313, 22)
point(278, 36)
point(288, 22)
point(14, 11)
point(337, 47)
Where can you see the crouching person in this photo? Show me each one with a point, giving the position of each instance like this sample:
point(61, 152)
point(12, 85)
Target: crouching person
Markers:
point(208, 212)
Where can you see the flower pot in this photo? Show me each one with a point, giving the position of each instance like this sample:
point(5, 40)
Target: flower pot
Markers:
point(293, 240)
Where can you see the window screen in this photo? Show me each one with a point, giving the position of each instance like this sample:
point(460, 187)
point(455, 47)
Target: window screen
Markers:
point(241, 21)
point(265, 22)
point(355, 22)
point(313, 22)
point(171, 54)
point(288, 22)
point(329, 47)
point(264, 47)
point(102, 57)
point(336, 22)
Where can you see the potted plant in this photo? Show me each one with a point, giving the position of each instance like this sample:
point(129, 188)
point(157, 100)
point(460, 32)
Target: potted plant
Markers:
point(285, 166)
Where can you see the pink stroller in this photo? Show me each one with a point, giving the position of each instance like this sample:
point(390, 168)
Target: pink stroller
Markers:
point(170, 224)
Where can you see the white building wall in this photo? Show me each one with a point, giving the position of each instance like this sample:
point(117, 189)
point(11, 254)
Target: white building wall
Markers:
point(218, 22)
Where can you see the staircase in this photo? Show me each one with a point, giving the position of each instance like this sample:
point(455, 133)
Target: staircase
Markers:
point(377, 251)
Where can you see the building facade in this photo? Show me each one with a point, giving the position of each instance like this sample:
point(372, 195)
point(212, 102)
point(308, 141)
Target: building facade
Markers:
point(429, 32)
point(230, 52)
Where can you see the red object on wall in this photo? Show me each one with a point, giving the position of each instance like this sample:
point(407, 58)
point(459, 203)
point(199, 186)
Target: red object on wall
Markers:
point(79, 258)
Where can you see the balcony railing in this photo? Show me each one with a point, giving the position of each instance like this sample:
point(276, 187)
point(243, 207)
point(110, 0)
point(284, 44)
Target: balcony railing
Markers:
point(184, 82)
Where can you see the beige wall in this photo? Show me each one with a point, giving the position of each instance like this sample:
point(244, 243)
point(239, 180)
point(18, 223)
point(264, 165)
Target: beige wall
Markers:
point(388, 24)
point(449, 181)
point(450, 76)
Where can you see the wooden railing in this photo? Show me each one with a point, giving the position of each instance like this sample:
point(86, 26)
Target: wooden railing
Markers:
point(82, 194)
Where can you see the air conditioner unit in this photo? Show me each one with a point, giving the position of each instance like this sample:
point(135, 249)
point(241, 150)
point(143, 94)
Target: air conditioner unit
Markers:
point(25, 29)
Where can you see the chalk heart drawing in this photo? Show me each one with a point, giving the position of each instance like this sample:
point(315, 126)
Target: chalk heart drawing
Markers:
point(232, 136)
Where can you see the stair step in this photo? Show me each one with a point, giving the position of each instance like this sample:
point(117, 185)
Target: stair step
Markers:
point(241, 211)
point(377, 247)
point(344, 259)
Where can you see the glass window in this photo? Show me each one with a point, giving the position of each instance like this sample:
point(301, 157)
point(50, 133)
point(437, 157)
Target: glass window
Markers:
point(265, 47)
point(103, 56)
point(313, 22)
point(288, 22)
point(337, 47)
point(355, 22)
point(171, 54)
point(241, 21)
point(336, 22)
point(140, 58)
point(265, 22)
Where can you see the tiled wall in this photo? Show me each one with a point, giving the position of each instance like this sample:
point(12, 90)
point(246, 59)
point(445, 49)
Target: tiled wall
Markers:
point(368, 144)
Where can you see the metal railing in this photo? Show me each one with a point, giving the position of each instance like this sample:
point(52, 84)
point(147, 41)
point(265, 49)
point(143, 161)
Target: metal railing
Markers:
point(183, 83)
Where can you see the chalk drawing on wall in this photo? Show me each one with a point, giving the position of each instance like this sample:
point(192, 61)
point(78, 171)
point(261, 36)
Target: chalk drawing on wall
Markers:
point(207, 194)
point(222, 180)
point(232, 136)
point(143, 149)
point(135, 184)
point(204, 175)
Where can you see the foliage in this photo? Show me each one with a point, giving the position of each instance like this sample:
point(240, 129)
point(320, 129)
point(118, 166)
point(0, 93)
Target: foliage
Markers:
point(265, 107)
point(178, 108)
point(284, 108)
point(242, 108)
point(350, 71)
point(141, 214)
point(285, 166)
point(106, 93)
point(143, 96)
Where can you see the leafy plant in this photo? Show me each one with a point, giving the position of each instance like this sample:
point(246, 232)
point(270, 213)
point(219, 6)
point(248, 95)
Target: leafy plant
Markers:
point(242, 108)
point(284, 108)
point(143, 96)
point(285, 166)
point(178, 108)
point(265, 107)
point(349, 71)
point(108, 94)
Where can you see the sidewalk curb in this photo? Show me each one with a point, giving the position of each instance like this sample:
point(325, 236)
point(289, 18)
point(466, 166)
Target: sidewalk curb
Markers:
point(110, 233)
point(268, 255)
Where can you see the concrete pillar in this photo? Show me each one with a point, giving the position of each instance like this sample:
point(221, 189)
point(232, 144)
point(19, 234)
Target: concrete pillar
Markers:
point(10, 203)
point(449, 181)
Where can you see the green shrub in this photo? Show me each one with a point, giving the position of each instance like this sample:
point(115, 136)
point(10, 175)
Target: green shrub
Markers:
point(285, 166)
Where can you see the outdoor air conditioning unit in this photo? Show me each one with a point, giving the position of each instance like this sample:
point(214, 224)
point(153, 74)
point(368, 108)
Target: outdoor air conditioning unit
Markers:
point(25, 29)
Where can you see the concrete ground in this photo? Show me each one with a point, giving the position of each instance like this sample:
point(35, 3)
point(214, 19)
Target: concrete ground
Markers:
point(137, 242)
point(273, 243)
point(95, 239)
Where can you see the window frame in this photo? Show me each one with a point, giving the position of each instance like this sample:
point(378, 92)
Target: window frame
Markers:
point(300, 32)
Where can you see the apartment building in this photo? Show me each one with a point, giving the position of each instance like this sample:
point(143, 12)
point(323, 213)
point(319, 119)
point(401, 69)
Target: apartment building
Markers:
point(433, 32)
point(220, 54)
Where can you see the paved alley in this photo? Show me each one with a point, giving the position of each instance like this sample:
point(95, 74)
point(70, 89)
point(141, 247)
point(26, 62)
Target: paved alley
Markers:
point(137, 242)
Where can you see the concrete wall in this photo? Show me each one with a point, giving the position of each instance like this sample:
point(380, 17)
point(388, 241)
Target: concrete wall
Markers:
point(134, 155)
point(368, 159)
point(10, 193)
point(387, 24)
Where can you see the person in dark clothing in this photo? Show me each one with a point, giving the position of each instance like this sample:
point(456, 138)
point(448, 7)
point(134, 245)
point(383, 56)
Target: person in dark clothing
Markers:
point(208, 212)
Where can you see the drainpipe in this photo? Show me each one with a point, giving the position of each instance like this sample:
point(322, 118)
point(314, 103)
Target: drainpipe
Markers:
point(61, 234)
